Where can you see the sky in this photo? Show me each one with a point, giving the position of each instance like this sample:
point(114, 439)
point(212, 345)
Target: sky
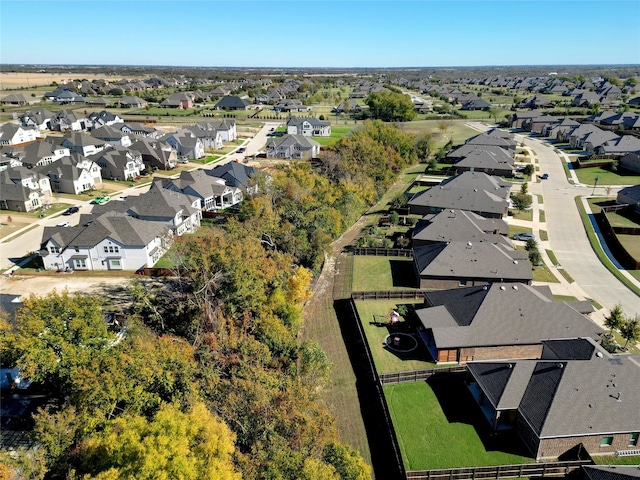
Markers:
point(329, 33)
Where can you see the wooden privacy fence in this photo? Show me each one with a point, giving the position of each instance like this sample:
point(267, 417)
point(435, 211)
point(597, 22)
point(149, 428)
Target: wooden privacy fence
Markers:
point(383, 252)
point(388, 295)
point(418, 375)
point(501, 471)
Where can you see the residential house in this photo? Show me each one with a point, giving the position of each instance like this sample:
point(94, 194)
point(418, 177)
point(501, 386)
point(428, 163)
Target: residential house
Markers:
point(100, 119)
point(40, 119)
point(576, 395)
point(23, 190)
point(476, 104)
point(180, 100)
point(139, 130)
point(18, 99)
point(131, 102)
point(226, 127)
point(555, 130)
point(83, 143)
point(13, 134)
point(631, 162)
point(477, 192)
point(186, 143)
point(236, 175)
point(37, 154)
point(347, 106)
point(74, 174)
point(66, 120)
point(459, 264)
point(523, 119)
point(540, 124)
point(610, 472)
point(495, 137)
point(112, 136)
point(498, 321)
point(176, 211)
point(291, 105)
point(213, 192)
point(111, 241)
point(118, 163)
point(489, 161)
point(211, 139)
point(156, 153)
point(292, 147)
point(458, 225)
point(619, 146)
point(536, 101)
point(231, 102)
point(309, 127)
point(64, 97)
point(587, 99)
point(629, 196)
point(595, 139)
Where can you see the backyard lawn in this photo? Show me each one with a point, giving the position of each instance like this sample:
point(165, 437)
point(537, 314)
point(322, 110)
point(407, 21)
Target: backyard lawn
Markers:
point(337, 132)
point(382, 273)
point(374, 317)
point(438, 425)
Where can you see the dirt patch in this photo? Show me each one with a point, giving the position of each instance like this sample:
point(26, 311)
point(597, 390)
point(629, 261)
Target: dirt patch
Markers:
point(42, 285)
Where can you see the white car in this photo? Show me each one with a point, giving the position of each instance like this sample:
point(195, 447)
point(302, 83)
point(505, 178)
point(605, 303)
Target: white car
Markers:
point(62, 224)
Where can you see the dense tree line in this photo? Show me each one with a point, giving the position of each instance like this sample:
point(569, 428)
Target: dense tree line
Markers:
point(207, 377)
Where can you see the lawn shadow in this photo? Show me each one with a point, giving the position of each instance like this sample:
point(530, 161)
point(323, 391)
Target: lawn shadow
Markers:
point(459, 406)
point(403, 274)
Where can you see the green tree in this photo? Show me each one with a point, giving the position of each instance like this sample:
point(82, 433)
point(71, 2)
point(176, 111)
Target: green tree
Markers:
point(615, 319)
point(347, 462)
point(630, 330)
point(424, 146)
point(521, 201)
point(391, 106)
point(174, 444)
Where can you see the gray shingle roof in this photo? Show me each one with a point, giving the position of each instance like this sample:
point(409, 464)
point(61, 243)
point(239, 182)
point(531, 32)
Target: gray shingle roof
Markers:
point(506, 316)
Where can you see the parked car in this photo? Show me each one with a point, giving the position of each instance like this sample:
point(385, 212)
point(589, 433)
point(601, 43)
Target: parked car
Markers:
point(241, 150)
point(544, 176)
point(524, 236)
point(62, 224)
point(71, 210)
point(99, 200)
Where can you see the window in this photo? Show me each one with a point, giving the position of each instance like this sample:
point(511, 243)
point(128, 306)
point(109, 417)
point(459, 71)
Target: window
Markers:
point(606, 441)
point(633, 439)
point(115, 264)
point(462, 283)
point(111, 249)
point(80, 263)
point(53, 249)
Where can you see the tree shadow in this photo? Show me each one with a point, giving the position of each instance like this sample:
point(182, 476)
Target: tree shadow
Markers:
point(403, 274)
point(459, 406)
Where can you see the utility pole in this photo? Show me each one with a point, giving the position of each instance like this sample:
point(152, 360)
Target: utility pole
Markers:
point(595, 183)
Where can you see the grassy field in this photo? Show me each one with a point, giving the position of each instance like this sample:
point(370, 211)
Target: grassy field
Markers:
point(373, 315)
point(337, 132)
point(438, 425)
point(382, 273)
point(456, 130)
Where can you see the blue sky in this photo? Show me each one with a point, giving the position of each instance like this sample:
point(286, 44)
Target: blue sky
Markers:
point(307, 33)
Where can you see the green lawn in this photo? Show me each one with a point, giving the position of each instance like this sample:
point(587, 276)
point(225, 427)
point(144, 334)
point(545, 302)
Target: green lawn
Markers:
point(614, 460)
point(543, 274)
point(373, 315)
point(513, 229)
point(605, 177)
point(439, 426)
point(522, 214)
point(377, 273)
point(337, 132)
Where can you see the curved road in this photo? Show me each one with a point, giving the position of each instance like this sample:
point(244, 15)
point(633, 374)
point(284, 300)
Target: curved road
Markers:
point(567, 236)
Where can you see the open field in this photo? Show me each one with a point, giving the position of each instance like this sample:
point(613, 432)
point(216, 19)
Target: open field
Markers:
point(456, 130)
point(13, 80)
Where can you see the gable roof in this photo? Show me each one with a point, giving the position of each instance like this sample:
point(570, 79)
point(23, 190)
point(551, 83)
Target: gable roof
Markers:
point(503, 314)
point(473, 191)
point(232, 101)
point(460, 225)
point(234, 173)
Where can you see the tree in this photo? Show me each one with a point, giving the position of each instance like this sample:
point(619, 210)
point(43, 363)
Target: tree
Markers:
point(521, 201)
point(528, 169)
point(424, 146)
point(630, 330)
point(615, 319)
point(174, 444)
point(391, 106)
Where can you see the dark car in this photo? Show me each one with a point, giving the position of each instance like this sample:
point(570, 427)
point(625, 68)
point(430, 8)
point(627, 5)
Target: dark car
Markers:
point(544, 176)
point(71, 210)
point(241, 150)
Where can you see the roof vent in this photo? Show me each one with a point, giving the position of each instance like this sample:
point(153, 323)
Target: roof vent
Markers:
point(515, 287)
point(515, 262)
point(502, 287)
point(560, 365)
point(484, 287)
point(475, 189)
point(510, 365)
point(599, 354)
